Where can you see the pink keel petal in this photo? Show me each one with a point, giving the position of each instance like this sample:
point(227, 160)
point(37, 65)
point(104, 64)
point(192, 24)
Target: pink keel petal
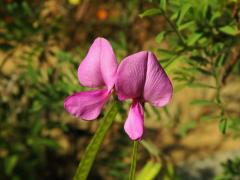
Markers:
point(131, 76)
point(134, 123)
point(86, 105)
point(158, 88)
point(99, 66)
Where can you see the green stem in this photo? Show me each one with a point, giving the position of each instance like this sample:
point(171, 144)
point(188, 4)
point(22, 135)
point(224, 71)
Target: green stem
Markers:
point(223, 119)
point(93, 147)
point(133, 161)
point(173, 26)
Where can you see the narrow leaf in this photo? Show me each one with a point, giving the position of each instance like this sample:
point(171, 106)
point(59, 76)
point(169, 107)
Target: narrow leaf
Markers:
point(199, 59)
point(150, 147)
point(93, 147)
point(10, 163)
point(149, 171)
point(160, 36)
point(186, 127)
point(230, 30)
point(183, 11)
point(221, 60)
point(150, 12)
point(204, 71)
point(163, 4)
point(208, 118)
point(202, 102)
point(223, 125)
point(186, 25)
point(193, 38)
point(200, 85)
point(167, 53)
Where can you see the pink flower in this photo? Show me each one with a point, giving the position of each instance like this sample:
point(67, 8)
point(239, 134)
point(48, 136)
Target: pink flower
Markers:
point(141, 78)
point(98, 69)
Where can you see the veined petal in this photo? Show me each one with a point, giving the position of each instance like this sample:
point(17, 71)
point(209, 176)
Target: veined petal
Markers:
point(158, 88)
point(89, 70)
point(135, 121)
point(99, 66)
point(108, 63)
point(86, 105)
point(131, 76)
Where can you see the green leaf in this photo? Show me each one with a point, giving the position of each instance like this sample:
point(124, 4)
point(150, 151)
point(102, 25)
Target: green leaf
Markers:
point(200, 85)
point(93, 147)
point(156, 112)
point(199, 59)
point(166, 53)
point(149, 171)
point(175, 15)
point(160, 36)
point(27, 9)
point(204, 5)
point(163, 4)
point(215, 16)
point(223, 125)
point(208, 118)
point(221, 59)
point(204, 71)
point(151, 148)
point(47, 142)
point(42, 142)
point(36, 127)
point(193, 39)
point(10, 163)
point(150, 12)
point(186, 25)
point(182, 13)
point(186, 127)
point(230, 30)
point(202, 102)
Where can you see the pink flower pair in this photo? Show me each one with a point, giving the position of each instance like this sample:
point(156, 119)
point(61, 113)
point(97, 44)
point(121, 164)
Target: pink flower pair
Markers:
point(138, 77)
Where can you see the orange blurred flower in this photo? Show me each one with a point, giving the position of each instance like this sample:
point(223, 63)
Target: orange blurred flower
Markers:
point(102, 14)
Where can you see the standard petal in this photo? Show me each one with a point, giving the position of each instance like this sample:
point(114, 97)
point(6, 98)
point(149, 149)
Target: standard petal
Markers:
point(158, 88)
point(99, 66)
point(108, 63)
point(86, 105)
point(131, 76)
point(135, 121)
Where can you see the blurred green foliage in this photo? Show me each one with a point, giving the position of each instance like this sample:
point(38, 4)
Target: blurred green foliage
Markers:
point(32, 94)
point(204, 40)
point(231, 170)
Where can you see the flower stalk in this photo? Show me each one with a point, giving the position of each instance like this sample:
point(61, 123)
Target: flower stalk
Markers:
point(95, 144)
point(133, 161)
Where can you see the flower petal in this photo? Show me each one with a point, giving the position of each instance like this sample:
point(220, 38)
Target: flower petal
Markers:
point(134, 123)
point(86, 105)
point(108, 63)
point(158, 88)
point(99, 66)
point(131, 76)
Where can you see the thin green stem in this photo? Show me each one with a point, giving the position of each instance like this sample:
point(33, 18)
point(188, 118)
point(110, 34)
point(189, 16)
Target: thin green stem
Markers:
point(173, 26)
point(223, 119)
point(95, 144)
point(133, 161)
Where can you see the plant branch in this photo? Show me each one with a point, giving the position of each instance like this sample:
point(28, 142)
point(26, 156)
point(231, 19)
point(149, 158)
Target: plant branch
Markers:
point(229, 68)
point(173, 26)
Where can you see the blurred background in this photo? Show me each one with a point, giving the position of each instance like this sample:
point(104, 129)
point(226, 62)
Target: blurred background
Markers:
point(195, 137)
